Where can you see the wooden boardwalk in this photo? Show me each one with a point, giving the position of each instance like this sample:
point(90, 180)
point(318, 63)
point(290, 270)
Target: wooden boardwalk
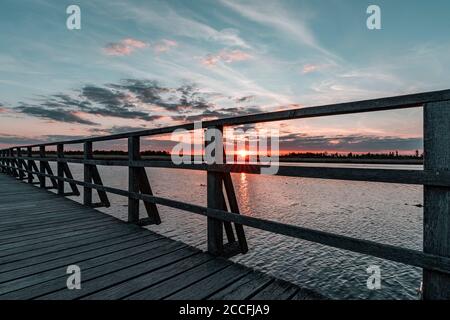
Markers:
point(41, 234)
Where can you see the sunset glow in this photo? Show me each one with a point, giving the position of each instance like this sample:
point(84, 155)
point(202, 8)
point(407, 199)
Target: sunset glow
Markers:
point(144, 65)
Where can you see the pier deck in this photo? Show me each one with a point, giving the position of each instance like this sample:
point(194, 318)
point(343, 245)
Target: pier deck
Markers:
point(41, 234)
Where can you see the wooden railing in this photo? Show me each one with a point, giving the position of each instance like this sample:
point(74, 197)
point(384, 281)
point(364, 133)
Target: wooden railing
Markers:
point(222, 210)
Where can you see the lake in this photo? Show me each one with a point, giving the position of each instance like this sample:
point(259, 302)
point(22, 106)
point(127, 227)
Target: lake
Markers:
point(387, 213)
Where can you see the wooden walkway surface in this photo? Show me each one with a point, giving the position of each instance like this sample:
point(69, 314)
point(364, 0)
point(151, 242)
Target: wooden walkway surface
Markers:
point(41, 234)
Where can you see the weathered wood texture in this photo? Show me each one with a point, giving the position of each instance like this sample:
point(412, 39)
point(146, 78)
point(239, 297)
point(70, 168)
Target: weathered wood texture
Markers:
point(418, 177)
point(435, 177)
point(436, 224)
point(394, 253)
point(117, 260)
point(138, 183)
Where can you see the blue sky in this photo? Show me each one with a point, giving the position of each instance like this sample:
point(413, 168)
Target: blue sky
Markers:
point(138, 64)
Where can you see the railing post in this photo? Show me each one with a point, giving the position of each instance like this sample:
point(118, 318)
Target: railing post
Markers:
point(87, 192)
point(11, 162)
point(30, 164)
point(42, 166)
point(215, 198)
point(19, 163)
point(436, 224)
point(60, 167)
point(133, 178)
point(2, 155)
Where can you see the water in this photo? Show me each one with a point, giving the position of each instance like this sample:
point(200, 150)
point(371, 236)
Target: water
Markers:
point(387, 213)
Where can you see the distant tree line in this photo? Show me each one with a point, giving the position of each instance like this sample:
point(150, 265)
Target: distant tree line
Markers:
point(304, 155)
point(351, 155)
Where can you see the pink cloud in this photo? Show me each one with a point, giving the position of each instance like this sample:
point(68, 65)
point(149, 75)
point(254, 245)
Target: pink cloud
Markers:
point(124, 47)
point(165, 45)
point(226, 56)
point(308, 68)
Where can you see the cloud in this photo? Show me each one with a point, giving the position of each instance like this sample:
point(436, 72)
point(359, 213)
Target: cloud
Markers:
point(227, 56)
point(128, 99)
point(124, 47)
point(168, 20)
point(244, 99)
point(344, 143)
point(308, 68)
point(9, 139)
point(216, 114)
point(164, 46)
point(275, 16)
point(184, 98)
point(57, 114)
point(14, 140)
point(116, 129)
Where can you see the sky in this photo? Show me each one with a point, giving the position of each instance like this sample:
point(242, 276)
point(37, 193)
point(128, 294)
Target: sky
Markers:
point(146, 64)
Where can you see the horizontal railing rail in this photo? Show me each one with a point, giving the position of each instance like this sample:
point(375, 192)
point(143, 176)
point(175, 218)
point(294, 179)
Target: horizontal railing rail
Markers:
point(222, 210)
point(400, 176)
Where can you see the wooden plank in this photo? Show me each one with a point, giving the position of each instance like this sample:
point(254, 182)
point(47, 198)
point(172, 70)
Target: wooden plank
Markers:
point(87, 174)
point(54, 280)
point(68, 174)
point(58, 239)
point(306, 294)
point(29, 258)
point(227, 225)
point(215, 198)
point(64, 257)
point(436, 220)
point(13, 163)
point(72, 217)
point(30, 165)
point(43, 218)
point(11, 214)
point(215, 226)
point(416, 177)
point(123, 275)
point(210, 284)
point(133, 180)
point(41, 166)
point(160, 287)
point(19, 164)
point(60, 168)
point(36, 207)
point(244, 288)
point(78, 241)
point(104, 201)
point(119, 255)
point(42, 241)
point(52, 177)
point(277, 290)
point(45, 208)
point(144, 187)
point(152, 281)
point(234, 207)
point(11, 236)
